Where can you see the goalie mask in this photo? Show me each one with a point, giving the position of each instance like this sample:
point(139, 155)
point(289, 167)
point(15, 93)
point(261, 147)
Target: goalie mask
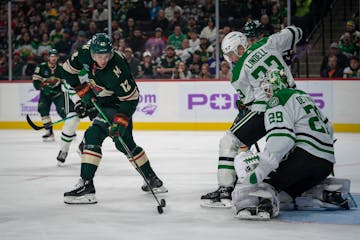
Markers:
point(230, 45)
point(274, 81)
point(101, 49)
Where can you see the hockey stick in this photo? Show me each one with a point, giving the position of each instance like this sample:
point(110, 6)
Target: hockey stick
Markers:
point(35, 127)
point(161, 203)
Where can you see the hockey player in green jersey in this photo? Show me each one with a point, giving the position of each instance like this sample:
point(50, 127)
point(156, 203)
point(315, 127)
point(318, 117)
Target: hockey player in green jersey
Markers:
point(114, 89)
point(298, 155)
point(48, 79)
point(251, 64)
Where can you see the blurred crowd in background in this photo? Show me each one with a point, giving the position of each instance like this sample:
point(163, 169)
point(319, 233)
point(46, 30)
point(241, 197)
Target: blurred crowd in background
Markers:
point(160, 38)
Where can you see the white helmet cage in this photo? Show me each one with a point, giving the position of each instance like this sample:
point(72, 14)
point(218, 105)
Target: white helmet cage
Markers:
point(231, 42)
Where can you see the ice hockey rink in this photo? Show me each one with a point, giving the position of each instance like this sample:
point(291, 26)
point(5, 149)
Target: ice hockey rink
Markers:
point(32, 187)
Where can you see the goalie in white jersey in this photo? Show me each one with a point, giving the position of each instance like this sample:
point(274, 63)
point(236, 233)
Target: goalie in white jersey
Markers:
point(298, 155)
point(252, 63)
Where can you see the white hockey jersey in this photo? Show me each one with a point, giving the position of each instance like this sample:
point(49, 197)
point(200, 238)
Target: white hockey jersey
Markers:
point(261, 57)
point(292, 119)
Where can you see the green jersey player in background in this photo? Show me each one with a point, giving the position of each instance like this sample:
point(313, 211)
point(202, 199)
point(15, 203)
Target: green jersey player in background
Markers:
point(298, 155)
point(113, 87)
point(251, 64)
point(47, 78)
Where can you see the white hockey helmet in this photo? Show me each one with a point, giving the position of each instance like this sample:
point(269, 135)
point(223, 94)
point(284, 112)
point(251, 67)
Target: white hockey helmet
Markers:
point(232, 41)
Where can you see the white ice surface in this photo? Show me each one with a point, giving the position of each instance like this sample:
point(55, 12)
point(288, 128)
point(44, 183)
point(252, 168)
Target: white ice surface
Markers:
point(32, 187)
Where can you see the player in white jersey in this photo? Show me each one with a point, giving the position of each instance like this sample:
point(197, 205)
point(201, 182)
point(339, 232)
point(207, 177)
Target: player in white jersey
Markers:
point(252, 63)
point(298, 154)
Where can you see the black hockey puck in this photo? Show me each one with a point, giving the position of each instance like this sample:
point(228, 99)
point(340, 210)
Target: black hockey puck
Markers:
point(163, 203)
point(160, 209)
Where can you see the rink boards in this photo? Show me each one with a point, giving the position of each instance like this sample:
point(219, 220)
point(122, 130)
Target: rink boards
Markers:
point(191, 104)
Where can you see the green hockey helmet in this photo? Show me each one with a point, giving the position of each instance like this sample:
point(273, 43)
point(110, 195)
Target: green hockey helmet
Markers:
point(252, 28)
point(274, 81)
point(53, 51)
point(100, 44)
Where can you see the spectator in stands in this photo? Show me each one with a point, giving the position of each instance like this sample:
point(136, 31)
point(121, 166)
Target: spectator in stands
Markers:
point(209, 31)
point(332, 70)
point(92, 29)
point(100, 15)
point(177, 20)
point(18, 65)
point(154, 8)
point(353, 70)
point(225, 71)
point(275, 19)
point(194, 64)
point(117, 13)
point(25, 47)
point(194, 40)
point(45, 44)
point(4, 65)
point(139, 12)
point(129, 28)
point(191, 10)
point(205, 72)
point(347, 46)
point(181, 71)
point(29, 67)
point(156, 44)
point(355, 35)
point(190, 26)
point(147, 67)
point(186, 51)
point(132, 61)
point(64, 45)
point(80, 40)
point(115, 27)
point(161, 22)
point(170, 10)
point(167, 62)
point(206, 50)
point(176, 38)
point(85, 13)
point(342, 60)
point(56, 33)
point(267, 27)
point(212, 62)
point(208, 10)
point(121, 45)
point(136, 42)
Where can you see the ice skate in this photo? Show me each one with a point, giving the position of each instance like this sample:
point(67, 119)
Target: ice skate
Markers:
point(156, 185)
point(83, 193)
point(48, 136)
point(221, 198)
point(61, 158)
point(263, 212)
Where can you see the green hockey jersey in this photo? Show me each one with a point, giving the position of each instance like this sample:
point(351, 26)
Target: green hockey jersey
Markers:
point(44, 75)
point(113, 85)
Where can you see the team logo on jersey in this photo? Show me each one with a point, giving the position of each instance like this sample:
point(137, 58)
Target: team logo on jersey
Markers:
point(273, 102)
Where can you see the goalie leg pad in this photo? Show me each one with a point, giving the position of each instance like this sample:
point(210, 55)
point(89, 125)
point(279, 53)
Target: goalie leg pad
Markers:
point(331, 194)
point(255, 202)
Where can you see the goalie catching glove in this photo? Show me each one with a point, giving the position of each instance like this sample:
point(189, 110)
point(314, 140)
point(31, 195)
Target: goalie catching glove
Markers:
point(119, 125)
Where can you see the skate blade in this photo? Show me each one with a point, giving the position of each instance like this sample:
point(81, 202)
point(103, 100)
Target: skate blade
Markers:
point(60, 164)
point(246, 215)
point(86, 199)
point(158, 190)
point(223, 203)
point(52, 139)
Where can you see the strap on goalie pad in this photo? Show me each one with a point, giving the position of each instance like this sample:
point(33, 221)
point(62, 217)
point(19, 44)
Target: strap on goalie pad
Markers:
point(331, 194)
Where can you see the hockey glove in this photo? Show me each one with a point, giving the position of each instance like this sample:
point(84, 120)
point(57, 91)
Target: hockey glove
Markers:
point(245, 167)
point(47, 90)
point(85, 93)
point(80, 109)
point(119, 125)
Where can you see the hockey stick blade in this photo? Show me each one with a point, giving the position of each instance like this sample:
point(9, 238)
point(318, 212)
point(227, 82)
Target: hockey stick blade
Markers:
point(32, 124)
point(35, 127)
